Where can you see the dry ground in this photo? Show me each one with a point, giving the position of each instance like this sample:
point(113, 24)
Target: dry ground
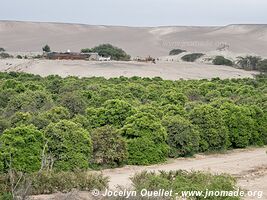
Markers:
point(249, 166)
point(166, 70)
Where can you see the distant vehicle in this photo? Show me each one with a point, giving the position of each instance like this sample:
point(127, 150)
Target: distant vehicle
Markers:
point(104, 59)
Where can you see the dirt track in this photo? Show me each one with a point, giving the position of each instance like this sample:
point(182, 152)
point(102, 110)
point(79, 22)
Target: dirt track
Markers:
point(249, 166)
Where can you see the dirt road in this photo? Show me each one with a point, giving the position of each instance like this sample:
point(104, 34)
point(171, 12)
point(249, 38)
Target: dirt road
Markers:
point(249, 166)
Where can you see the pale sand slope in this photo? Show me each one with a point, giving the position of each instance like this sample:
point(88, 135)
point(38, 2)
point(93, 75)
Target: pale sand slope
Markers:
point(249, 166)
point(165, 70)
point(154, 41)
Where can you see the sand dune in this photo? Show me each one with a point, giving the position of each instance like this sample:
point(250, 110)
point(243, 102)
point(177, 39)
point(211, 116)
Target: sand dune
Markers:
point(154, 41)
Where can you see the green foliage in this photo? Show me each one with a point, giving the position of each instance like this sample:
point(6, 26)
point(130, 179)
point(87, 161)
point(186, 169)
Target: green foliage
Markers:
point(109, 147)
point(49, 182)
point(192, 57)
point(107, 50)
point(179, 181)
point(146, 139)
point(213, 131)
point(2, 49)
point(157, 118)
point(69, 146)
point(4, 55)
point(46, 49)
point(183, 137)
point(21, 149)
point(262, 66)
point(176, 52)
point(220, 60)
point(249, 62)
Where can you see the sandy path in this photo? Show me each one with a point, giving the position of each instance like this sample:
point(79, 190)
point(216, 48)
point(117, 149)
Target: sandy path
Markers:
point(249, 166)
point(166, 70)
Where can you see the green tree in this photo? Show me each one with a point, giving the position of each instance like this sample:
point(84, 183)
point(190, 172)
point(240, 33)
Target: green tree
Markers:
point(146, 139)
point(107, 50)
point(212, 128)
point(21, 148)
point(183, 136)
point(69, 146)
point(46, 49)
point(220, 60)
point(109, 147)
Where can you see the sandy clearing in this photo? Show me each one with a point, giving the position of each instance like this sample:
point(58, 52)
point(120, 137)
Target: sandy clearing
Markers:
point(166, 70)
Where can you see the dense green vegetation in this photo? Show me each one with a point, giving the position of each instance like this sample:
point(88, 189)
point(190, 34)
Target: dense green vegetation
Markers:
point(67, 124)
point(192, 57)
point(180, 181)
point(220, 60)
point(176, 52)
point(107, 50)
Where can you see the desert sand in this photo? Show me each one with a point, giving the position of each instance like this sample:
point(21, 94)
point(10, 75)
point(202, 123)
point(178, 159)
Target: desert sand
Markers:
point(163, 69)
point(137, 41)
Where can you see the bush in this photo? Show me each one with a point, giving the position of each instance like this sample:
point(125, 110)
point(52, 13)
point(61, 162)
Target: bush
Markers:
point(2, 49)
point(49, 182)
point(192, 57)
point(220, 60)
point(179, 181)
point(109, 147)
point(46, 49)
point(69, 146)
point(176, 52)
point(4, 55)
point(249, 62)
point(115, 53)
point(262, 66)
point(146, 139)
point(183, 137)
point(19, 57)
point(21, 149)
point(212, 127)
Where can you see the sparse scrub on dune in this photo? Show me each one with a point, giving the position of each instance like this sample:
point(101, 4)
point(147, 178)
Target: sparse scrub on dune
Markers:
point(176, 52)
point(192, 57)
point(249, 62)
point(220, 60)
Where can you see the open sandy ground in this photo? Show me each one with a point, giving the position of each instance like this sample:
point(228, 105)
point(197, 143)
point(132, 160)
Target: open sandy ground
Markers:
point(163, 69)
point(249, 166)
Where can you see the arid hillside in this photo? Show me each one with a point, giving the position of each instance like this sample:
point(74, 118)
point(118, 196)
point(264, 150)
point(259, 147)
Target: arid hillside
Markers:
point(154, 41)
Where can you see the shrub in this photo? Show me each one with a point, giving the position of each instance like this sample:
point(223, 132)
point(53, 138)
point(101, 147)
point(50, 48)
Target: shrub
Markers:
point(262, 66)
point(240, 125)
point(2, 49)
point(183, 137)
point(115, 53)
point(109, 147)
point(176, 52)
point(212, 127)
point(49, 182)
point(19, 57)
point(249, 62)
point(220, 60)
point(21, 149)
point(192, 57)
point(4, 55)
point(146, 139)
point(179, 181)
point(46, 49)
point(69, 146)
